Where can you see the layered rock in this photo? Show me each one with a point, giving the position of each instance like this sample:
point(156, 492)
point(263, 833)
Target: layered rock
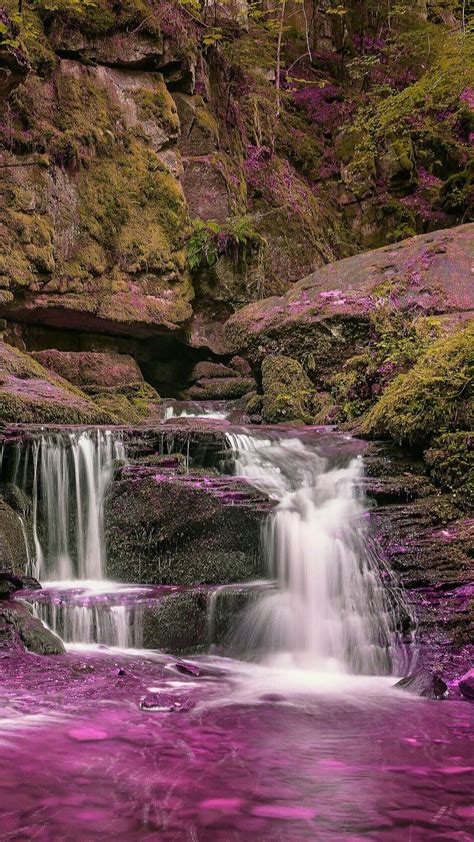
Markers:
point(114, 381)
point(426, 537)
point(30, 393)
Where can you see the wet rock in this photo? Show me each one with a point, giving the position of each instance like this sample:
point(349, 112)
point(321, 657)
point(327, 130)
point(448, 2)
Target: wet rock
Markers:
point(187, 668)
point(28, 631)
point(428, 685)
point(182, 529)
point(466, 684)
point(165, 703)
point(13, 556)
point(9, 583)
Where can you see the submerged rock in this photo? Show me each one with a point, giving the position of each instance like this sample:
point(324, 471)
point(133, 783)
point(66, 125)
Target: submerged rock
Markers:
point(164, 703)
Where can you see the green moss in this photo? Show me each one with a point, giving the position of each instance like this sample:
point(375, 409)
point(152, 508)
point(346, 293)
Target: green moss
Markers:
point(287, 391)
point(158, 105)
point(349, 388)
point(451, 464)
point(130, 404)
point(434, 396)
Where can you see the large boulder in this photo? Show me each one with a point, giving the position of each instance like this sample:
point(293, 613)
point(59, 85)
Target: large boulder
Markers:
point(167, 526)
point(327, 317)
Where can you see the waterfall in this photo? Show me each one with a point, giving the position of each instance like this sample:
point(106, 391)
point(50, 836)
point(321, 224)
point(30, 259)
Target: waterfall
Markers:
point(331, 610)
point(109, 625)
point(70, 476)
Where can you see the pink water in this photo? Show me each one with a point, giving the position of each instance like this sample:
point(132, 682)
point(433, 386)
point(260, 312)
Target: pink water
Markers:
point(234, 753)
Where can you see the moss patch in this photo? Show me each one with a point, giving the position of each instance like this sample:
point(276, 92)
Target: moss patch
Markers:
point(287, 391)
point(434, 396)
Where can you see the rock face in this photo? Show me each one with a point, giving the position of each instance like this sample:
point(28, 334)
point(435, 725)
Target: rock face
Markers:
point(426, 537)
point(114, 381)
point(328, 314)
point(13, 556)
point(171, 527)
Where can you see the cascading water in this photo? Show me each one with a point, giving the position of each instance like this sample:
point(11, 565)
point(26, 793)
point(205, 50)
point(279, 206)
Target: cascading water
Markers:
point(331, 610)
point(71, 472)
point(70, 477)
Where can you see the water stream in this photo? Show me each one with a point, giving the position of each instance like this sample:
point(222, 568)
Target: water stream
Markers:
point(296, 735)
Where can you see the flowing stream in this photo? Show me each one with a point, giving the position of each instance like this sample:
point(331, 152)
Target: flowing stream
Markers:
point(296, 734)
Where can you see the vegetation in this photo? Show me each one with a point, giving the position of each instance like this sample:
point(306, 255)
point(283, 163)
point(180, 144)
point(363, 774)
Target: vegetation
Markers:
point(435, 396)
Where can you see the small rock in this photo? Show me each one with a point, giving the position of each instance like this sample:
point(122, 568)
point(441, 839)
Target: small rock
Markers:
point(82, 668)
point(121, 671)
point(159, 703)
point(187, 668)
point(466, 684)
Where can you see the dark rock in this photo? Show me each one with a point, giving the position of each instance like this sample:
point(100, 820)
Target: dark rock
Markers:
point(9, 583)
point(28, 631)
point(182, 529)
point(13, 557)
point(466, 684)
point(428, 685)
point(187, 668)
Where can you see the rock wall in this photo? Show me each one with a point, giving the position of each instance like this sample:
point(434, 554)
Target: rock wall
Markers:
point(149, 190)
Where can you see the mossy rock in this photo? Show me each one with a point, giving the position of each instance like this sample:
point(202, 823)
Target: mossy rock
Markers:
point(287, 391)
point(451, 464)
point(433, 397)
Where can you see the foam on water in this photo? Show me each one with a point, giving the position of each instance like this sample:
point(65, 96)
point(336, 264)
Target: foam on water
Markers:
point(331, 612)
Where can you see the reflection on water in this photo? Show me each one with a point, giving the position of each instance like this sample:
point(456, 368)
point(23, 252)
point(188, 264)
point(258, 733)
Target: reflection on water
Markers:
point(226, 752)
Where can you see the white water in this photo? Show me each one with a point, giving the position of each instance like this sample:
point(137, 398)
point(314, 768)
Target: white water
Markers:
point(330, 612)
point(70, 476)
point(194, 411)
point(71, 472)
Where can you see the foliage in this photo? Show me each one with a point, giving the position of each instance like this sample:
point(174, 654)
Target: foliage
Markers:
point(451, 463)
point(209, 240)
